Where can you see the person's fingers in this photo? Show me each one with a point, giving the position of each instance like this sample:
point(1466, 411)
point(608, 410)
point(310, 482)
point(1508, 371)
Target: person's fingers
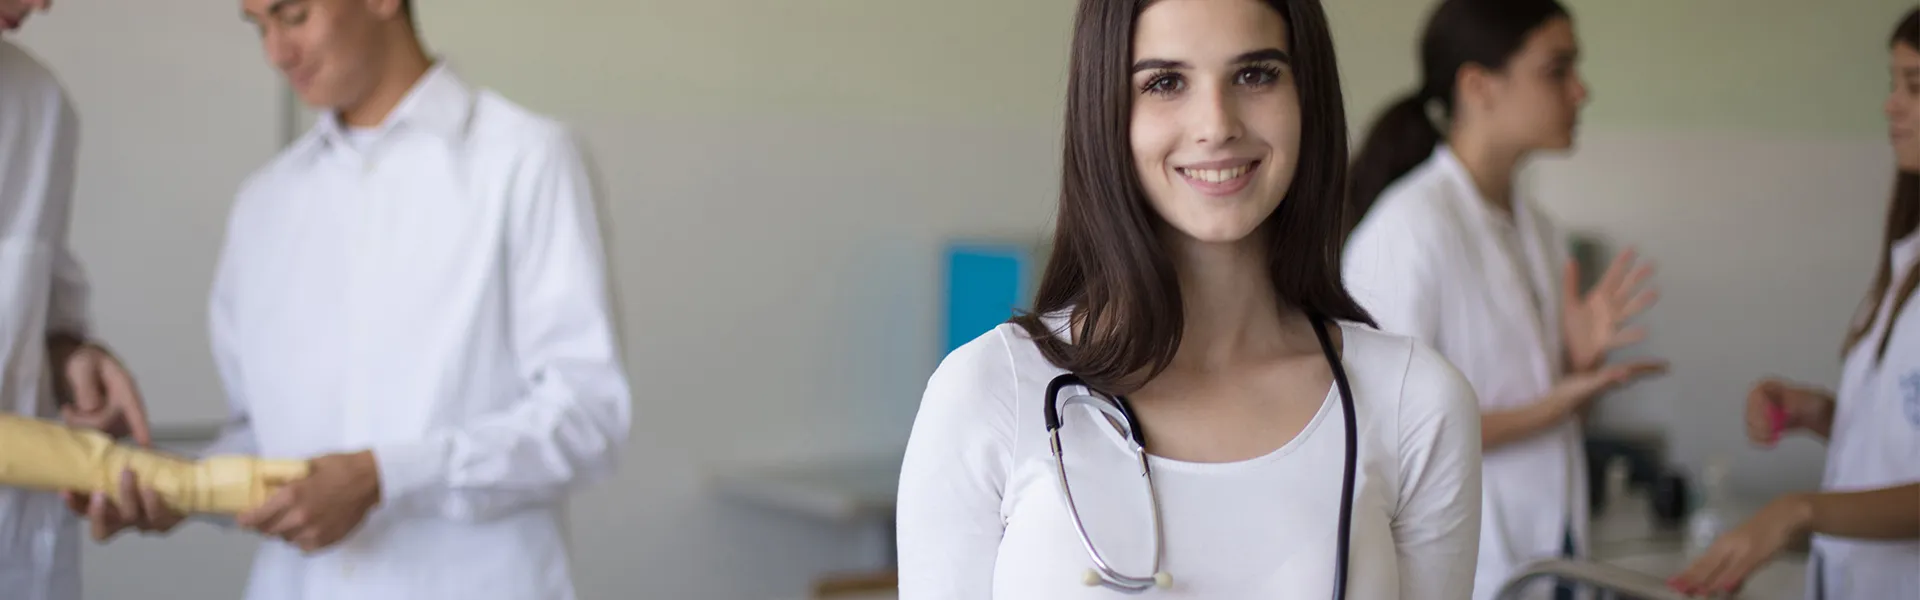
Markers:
point(1759, 429)
point(1637, 303)
point(1611, 280)
point(130, 506)
point(1627, 337)
point(160, 518)
point(77, 502)
point(84, 380)
point(125, 396)
point(267, 512)
point(1570, 283)
point(1734, 571)
point(101, 515)
point(1631, 283)
point(1703, 569)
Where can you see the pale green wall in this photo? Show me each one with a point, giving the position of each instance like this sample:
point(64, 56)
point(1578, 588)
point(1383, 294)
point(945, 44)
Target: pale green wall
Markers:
point(1797, 67)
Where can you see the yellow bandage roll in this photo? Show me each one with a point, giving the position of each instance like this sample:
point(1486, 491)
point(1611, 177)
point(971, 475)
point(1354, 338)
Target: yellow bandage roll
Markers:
point(42, 455)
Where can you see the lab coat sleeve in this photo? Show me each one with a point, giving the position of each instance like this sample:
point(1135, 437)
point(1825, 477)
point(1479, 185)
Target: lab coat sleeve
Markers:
point(1389, 269)
point(236, 433)
point(67, 307)
point(953, 476)
point(1436, 526)
point(574, 412)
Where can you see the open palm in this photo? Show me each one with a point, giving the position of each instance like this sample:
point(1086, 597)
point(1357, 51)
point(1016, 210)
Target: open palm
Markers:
point(1595, 323)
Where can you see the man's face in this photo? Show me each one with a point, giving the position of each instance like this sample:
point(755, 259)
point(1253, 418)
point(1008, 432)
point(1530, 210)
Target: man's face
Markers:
point(323, 47)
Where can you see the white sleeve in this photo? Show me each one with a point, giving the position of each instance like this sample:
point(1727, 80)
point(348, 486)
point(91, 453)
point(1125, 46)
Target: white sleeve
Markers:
point(573, 415)
point(67, 310)
point(236, 433)
point(1389, 270)
point(1436, 527)
point(954, 474)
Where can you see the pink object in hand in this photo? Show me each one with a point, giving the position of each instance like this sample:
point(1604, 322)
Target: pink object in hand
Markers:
point(1776, 421)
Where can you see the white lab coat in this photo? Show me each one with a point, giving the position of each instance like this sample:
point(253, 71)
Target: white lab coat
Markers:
point(436, 291)
point(1875, 443)
point(42, 291)
point(1436, 261)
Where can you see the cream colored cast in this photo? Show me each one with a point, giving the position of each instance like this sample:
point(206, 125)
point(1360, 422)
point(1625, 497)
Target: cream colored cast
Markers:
point(44, 455)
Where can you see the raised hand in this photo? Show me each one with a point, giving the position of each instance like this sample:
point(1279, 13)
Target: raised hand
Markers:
point(1594, 324)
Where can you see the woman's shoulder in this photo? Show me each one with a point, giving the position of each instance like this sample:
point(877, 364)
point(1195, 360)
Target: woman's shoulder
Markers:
point(1424, 190)
point(984, 376)
point(1401, 371)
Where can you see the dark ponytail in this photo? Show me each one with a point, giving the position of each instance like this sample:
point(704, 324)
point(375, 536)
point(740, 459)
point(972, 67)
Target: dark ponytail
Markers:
point(1401, 139)
point(1459, 33)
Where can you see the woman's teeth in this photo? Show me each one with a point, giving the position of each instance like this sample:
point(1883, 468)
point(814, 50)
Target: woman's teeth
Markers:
point(1216, 175)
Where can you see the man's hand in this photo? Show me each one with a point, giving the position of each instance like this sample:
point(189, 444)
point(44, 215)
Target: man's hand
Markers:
point(143, 509)
point(322, 509)
point(97, 391)
point(1740, 552)
point(1595, 324)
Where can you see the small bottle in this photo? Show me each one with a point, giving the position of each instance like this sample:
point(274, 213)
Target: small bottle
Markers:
point(1709, 518)
point(1619, 478)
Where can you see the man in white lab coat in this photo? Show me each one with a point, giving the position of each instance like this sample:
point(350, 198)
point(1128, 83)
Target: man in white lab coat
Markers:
point(43, 317)
point(415, 294)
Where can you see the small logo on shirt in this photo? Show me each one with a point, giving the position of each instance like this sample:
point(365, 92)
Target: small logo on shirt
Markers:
point(1910, 396)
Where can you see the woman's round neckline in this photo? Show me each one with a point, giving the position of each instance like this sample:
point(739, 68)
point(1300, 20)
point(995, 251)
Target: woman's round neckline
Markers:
point(1327, 402)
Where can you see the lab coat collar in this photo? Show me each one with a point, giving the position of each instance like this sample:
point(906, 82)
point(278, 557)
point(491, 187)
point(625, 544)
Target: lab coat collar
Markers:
point(1540, 262)
point(1449, 163)
point(440, 103)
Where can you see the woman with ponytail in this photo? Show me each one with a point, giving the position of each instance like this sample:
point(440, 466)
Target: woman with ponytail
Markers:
point(1447, 250)
point(1865, 521)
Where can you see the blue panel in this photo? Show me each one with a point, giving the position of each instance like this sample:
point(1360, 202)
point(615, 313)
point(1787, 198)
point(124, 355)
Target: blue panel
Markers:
point(986, 284)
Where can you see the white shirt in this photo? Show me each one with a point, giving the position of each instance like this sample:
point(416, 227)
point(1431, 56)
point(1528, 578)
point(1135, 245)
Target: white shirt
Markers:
point(42, 291)
point(980, 514)
point(441, 299)
point(1428, 261)
point(1875, 443)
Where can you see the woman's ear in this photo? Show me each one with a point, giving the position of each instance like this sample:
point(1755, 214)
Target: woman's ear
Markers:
point(386, 9)
point(1474, 88)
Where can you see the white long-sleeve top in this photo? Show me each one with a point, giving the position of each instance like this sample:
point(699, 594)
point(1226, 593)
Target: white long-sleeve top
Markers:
point(42, 291)
point(434, 290)
point(980, 514)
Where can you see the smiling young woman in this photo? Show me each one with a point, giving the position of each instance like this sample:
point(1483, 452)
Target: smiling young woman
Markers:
point(1229, 424)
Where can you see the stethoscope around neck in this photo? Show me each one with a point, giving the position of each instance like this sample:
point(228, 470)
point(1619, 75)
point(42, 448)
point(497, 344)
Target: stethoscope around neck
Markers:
point(1120, 410)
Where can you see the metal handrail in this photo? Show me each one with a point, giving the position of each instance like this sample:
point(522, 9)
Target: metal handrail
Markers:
point(1599, 575)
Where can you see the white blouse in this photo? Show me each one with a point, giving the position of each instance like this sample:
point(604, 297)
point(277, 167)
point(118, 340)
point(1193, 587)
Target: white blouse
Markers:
point(981, 516)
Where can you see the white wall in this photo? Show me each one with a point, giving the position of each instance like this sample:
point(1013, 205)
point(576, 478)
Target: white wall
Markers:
point(1763, 245)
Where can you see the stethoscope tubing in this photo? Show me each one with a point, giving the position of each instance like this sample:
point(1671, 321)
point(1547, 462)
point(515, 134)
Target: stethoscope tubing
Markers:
point(1103, 573)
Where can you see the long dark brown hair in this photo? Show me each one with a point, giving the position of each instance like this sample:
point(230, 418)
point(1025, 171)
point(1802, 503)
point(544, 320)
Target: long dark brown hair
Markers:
point(1903, 215)
point(1109, 266)
point(1459, 33)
